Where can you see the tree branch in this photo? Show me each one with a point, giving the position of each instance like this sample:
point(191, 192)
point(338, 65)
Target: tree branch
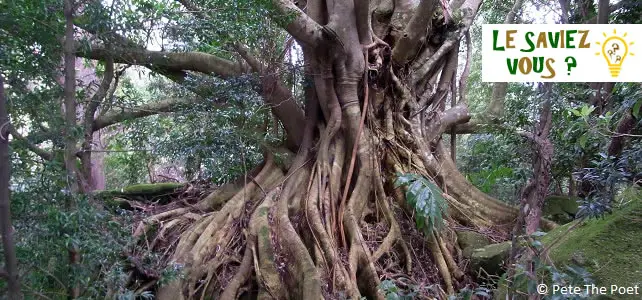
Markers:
point(301, 26)
point(100, 95)
point(6, 228)
point(144, 110)
point(495, 108)
point(171, 61)
point(415, 32)
point(32, 147)
point(469, 10)
point(624, 126)
point(447, 119)
point(274, 93)
point(463, 80)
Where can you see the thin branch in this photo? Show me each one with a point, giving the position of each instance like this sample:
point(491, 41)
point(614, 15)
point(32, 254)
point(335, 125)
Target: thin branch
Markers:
point(32, 147)
point(469, 10)
point(144, 110)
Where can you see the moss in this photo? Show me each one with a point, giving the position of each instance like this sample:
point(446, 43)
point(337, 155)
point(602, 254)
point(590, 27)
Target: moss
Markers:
point(140, 192)
point(152, 188)
point(609, 248)
point(106, 194)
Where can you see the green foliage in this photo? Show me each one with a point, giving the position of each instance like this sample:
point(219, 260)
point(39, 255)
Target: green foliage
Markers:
point(535, 270)
point(46, 228)
point(527, 281)
point(392, 292)
point(485, 180)
point(427, 200)
point(496, 164)
point(468, 293)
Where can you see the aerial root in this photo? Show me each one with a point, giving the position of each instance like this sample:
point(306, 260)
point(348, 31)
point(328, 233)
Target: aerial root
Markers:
point(208, 247)
point(323, 239)
point(450, 261)
point(287, 231)
point(359, 256)
point(260, 243)
point(145, 225)
point(394, 235)
point(243, 273)
point(441, 263)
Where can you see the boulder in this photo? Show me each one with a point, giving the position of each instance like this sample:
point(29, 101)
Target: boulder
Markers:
point(560, 209)
point(490, 259)
point(470, 240)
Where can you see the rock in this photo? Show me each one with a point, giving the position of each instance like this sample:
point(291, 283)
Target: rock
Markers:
point(560, 209)
point(490, 258)
point(470, 240)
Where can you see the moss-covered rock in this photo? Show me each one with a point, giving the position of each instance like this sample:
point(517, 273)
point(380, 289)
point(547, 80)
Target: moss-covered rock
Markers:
point(610, 249)
point(470, 240)
point(560, 209)
point(490, 259)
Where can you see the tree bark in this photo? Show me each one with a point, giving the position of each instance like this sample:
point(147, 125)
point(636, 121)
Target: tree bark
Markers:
point(624, 127)
point(301, 227)
point(6, 229)
point(543, 151)
point(69, 132)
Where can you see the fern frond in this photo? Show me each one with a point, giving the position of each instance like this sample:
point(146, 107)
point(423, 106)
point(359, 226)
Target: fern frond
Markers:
point(426, 199)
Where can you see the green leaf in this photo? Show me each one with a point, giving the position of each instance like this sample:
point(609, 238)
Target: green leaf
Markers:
point(636, 108)
point(401, 180)
point(426, 199)
point(422, 199)
point(415, 188)
point(586, 110)
point(582, 140)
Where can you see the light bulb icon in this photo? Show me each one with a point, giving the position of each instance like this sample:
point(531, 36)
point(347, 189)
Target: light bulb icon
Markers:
point(614, 50)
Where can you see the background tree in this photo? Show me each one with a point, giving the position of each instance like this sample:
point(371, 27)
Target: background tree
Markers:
point(10, 270)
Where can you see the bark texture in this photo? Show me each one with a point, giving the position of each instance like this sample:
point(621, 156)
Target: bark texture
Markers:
point(380, 75)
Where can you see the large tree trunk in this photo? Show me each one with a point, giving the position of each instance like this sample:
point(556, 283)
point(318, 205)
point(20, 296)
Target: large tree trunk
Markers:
point(376, 108)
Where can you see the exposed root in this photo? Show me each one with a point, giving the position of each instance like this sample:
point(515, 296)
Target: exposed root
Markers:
point(289, 228)
point(270, 284)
